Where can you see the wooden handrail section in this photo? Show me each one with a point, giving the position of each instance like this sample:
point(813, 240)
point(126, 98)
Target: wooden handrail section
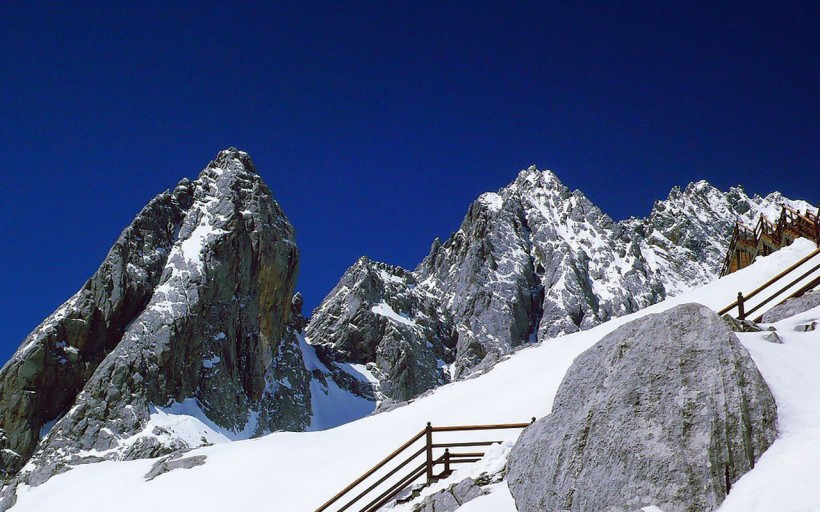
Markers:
point(771, 281)
point(813, 283)
point(373, 469)
point(425, 468)
point(747, 243)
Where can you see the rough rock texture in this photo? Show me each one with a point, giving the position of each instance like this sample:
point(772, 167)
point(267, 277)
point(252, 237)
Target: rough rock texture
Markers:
point(667, 410)
point(188, 334)
point(450, 499)
point(211, 328)
point(172, 462)
point(378, 314)
point(530, 262)
point(685, 236)
point(808, 326)
point(41, 381)
point(740, 325)
point(792, 307)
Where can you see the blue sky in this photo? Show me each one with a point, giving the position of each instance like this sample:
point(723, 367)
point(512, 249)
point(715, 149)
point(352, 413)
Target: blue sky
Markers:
point(377, 123)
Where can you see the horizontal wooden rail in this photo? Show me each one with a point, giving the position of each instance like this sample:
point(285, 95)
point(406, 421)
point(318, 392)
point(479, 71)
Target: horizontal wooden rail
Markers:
point(771, 281)
point(459, 428)
point(426, 467)
point(461, 445)
point(783, 289)
point(372, 470)
point(811, 285)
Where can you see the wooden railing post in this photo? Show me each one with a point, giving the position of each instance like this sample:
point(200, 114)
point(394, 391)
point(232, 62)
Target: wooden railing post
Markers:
point(741, 313)
point(446, 461)
point(429, 435)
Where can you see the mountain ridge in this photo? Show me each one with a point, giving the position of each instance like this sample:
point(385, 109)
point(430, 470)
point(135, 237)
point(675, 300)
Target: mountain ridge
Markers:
point(535, 260)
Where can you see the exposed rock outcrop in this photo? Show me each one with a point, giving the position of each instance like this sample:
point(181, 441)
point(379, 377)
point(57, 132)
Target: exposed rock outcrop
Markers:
point(377, 314)
point(41, 381)
point(451, 498)
point(792, 307)
point(667, 410)
point(173, 462)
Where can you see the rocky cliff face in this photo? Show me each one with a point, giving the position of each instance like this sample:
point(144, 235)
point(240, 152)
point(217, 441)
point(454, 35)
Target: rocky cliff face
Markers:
point(377, 314)
point(667, 410)
point(531, 262)
point(188, 334)
point(685, 236)
point(42, 380)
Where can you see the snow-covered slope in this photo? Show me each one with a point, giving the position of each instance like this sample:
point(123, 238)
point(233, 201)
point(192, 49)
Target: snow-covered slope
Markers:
point(295, 472)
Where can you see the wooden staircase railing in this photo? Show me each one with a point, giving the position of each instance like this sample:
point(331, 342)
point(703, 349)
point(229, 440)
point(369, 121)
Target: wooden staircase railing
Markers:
point(431, 457)
point(808, 265)
point(767, 237)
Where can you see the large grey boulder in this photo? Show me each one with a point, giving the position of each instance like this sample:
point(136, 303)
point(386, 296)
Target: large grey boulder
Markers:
point(667, 410)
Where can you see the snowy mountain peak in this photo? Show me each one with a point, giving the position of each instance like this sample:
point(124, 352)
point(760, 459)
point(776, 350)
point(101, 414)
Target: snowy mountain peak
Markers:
point(232, 159)
point(188, 334)
point(532, 177)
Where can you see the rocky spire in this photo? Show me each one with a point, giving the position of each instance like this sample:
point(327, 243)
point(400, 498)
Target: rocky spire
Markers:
point(192, 315)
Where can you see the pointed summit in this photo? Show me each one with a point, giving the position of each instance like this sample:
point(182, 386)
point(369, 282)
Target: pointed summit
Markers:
point(232, 159)
point(183, 337)
point(533, 177)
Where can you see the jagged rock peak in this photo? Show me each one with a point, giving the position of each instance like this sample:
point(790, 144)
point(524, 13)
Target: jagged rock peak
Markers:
point(529, 179)
point(377, 314)
point(532, 177)
point(233, 159)
point(192, 312)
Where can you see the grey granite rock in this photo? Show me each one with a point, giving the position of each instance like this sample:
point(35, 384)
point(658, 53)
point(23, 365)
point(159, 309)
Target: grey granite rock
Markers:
point(172, 462)
point(377, 314)
point(450, 499)
point(792, 307)
point(41, 381)
point(667, 410)
point(740, 325)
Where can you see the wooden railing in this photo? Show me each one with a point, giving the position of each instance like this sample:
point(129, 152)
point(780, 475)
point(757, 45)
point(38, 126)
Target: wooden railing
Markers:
point(431, 457)
point(767, 236)
point(807, 266)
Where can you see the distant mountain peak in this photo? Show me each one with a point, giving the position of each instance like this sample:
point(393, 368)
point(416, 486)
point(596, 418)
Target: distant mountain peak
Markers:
point(232, 159)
